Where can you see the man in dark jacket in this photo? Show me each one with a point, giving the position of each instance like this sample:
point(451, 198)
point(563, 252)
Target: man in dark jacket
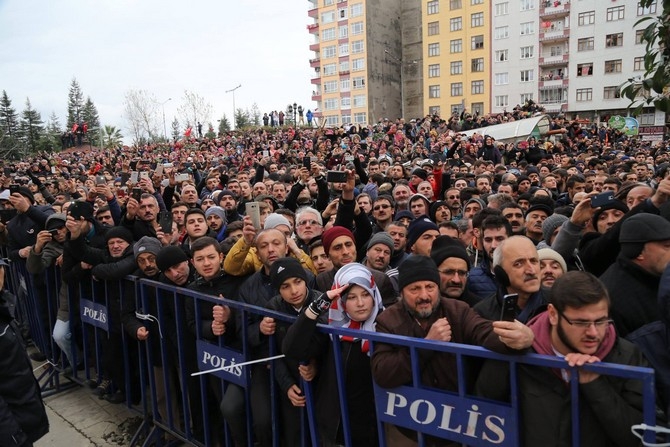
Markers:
point(23, 419)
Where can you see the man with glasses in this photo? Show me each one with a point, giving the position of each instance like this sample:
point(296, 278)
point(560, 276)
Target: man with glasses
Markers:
point(576, 327)
point(308, 227)
point(453, 264)
point(382, 212)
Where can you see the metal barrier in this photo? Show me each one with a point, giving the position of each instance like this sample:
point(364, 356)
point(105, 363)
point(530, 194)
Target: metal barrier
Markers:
point(177, 405)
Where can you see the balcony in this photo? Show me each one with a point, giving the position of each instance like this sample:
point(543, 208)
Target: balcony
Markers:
point(344, 73)
point(553, 60)
point(313, 13)
point(316, 62)
point(316, 81)
point(554, 9)
point(315, 46)
point(548, 82)
point(554, 35)
point(313, 28)
point(316, 96)
point(555, 107)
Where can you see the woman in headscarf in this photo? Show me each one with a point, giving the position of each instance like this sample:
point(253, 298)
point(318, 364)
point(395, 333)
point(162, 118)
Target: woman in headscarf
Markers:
point(357, 308)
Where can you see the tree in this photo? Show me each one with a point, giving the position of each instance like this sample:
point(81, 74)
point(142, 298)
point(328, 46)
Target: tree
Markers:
point(53, 131)
point(32, 127)
point(141, 110)
point(9, 120)
point(255, 114)
point(175, 129)
point(652, 88)
point(75, 104)
point(210, 131)
point(194, 109)
point(112, 137)
point(89, 115)
point(242, 119)
point(224, 125)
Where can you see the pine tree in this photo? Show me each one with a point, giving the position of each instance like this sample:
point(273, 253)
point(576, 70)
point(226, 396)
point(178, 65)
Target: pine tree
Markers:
point(9, 128)
point(75, 104)
point(89, 115)
point(255, 114)
point(242, 119)
point(175, 129)
point(51, 140)
point(224, 125)
point(32, 127)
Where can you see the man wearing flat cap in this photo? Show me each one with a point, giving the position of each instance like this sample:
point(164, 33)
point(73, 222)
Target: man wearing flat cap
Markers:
point(422, 313)
point(633, 280)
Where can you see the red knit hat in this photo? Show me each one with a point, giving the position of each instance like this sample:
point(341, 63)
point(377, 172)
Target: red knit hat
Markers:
point(333, 233)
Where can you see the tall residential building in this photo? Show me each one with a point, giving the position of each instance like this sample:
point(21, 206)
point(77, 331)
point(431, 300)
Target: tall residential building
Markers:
point(456, 56)
point(358, 57)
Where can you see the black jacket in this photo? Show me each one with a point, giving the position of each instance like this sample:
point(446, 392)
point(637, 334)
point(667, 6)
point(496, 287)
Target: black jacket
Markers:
point(23, 419)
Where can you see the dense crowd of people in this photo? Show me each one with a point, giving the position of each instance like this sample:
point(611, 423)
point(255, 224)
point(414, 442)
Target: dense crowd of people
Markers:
point(555, 244)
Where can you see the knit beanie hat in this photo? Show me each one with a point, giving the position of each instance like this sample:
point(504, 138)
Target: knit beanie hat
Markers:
point(417, 227)
point(25, 192)
point(119, 232)
point(216, 210)
point(285, 268)
point(54, 221)
point(146, 244)
point(170, 256)
point(550, 224)
point(477, 200)
point(421, 173)
point(333, 233)
point(434, 206)
point(613, 205)
point(226, 192)
point(274, 220)
point(381, 238)
point(403, 213)
point(548, 253)
point(447, 247)
point(639, 229)
point(417, 268)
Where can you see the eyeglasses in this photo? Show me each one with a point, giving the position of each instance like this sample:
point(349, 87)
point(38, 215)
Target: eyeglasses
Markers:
point(312, 223)
point(585, 324)
point(381, 207)
point(453, 272)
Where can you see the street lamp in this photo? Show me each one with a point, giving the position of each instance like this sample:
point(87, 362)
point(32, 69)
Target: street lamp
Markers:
point(232, 90)
point(164, 126)
point(294, 109)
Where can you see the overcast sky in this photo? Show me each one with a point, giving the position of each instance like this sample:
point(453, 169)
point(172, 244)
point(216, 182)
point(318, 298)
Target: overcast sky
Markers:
point(163, 46)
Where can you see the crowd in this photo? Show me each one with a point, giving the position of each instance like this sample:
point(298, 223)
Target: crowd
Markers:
point(556, 245)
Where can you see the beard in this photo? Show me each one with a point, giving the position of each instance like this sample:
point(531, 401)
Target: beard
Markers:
point(422, 314)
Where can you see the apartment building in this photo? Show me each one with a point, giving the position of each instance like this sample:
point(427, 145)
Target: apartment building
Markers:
point(358, 59)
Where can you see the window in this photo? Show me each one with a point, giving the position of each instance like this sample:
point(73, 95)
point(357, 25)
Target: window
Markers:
point(477, 42)
point(456, 67)
point(611, 92)
point(553, 96)
point(456, 23)
point(477, 108)
point(584, 94)
point(502, 9)
point(356, 28)
point(434, 110)
point(455, 46)
point(651, 9)
point(360, 118)
point(527, 75)
point(345, 85)
point(501, 100)
point(585, 69)
point(344, 49)
point(359, 82)
point(433, 91)
point(434, 70)
point(527, 5)
point(328, 2)
point(502, 55)
point(457, 108)
point(585, 44)
point(614, 40)
point(433, 49)
point(357, 46)
point(476, 2)
point(527, 52)
point(456, 89)
point(477, 87)
point(638, 64)
point(525, 97)
point(328, 34)
point(329, 51)
point(433, 7)
point(455, 4)
point(527, 28)
point(359, 100)
point(344, 66)
point(556, 50)
point(330, 86)
point(342, 13)
point(613, 66)
point(615, 13)
point(477, 64)
point(343, 31)
point(586, 18)
point(330, 104)
point(327, 17)
point(346, 118)
point(356, 10)
point(639, 34)
point(501, 78)
point(358, 64)
point(501, 32)
point(332, 120)
point(329, 69)
point(477, 19)
point(433, 28)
